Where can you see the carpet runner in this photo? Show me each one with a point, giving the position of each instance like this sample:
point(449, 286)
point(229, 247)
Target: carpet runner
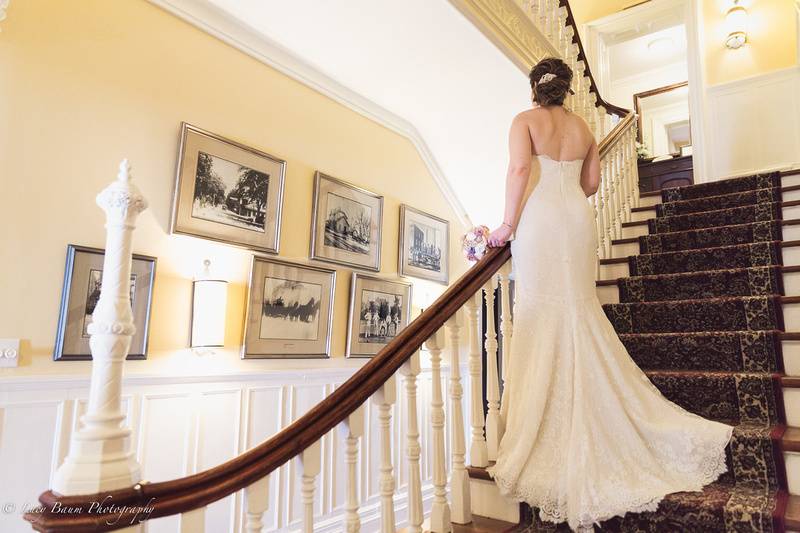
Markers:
point(700, 314)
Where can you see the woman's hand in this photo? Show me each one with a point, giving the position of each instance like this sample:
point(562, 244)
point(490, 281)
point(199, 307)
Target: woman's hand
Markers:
point(499, 236)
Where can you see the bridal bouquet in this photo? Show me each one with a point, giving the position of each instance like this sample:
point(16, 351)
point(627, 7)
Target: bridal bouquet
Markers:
point(475, 242)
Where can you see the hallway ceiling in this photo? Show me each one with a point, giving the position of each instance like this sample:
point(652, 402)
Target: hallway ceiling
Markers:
point(422, 61)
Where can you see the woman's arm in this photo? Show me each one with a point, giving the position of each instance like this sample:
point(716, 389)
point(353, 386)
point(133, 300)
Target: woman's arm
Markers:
point(590, 173)
point(517, 176)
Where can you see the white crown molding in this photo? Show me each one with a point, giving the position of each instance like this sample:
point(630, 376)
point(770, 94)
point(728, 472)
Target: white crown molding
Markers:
point(757, 79)
point(219, 24)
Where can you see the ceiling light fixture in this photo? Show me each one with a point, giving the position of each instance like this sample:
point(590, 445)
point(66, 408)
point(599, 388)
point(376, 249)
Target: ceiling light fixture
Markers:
point(736, 22)
point(661, 45)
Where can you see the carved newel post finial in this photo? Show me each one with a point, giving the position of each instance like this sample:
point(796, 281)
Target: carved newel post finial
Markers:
point(99, 458)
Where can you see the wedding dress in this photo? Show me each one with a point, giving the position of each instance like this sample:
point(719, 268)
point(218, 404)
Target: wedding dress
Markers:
point(587, 435)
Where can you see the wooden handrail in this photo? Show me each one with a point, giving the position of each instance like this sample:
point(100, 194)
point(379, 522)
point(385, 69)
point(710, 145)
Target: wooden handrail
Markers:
point(613, 136)
point(576, 38)
point(73, 514)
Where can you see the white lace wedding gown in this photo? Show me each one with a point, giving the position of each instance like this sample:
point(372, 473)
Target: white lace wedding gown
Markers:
point(587, 435)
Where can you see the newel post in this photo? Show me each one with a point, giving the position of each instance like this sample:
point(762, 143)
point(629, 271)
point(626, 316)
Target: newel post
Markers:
point(99, 456)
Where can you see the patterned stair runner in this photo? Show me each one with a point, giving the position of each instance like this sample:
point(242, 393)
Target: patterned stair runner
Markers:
point(701, 314)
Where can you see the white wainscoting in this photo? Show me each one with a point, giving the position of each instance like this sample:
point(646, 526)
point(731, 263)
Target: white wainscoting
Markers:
point(183, 425)
point(754, 124)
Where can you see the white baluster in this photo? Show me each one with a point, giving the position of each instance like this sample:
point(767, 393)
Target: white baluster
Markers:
point(607, 207)
point(616, 174)
point(591, 110)
point(626, 178)
point(494, 424)
point(634, 164)
point(99, 457)
point(411, 370)
point(565, 36)
point(440, 510)
point(309, 463)
point(598, 220)
point(505, 316)
point(256, 502)
point(384, 399)
point(460, 506)
point(478, 455)
point(351, 430)
point(191, 521)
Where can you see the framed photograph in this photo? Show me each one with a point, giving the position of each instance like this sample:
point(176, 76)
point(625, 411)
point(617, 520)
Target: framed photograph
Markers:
point(289, 310)
point(424, 246)
point(379, 310)
point(227, 192)
point(83, 279)
point(346, 224)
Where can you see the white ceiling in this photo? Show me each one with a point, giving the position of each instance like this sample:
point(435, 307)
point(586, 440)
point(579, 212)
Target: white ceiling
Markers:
point(421, 60)
point(634, 56)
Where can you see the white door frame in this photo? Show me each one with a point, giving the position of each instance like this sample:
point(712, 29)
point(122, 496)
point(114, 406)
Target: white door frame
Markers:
point(596, 50)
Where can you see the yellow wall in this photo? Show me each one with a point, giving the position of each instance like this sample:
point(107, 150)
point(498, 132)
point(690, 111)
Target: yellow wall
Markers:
point(88, 82)
point(772, 40)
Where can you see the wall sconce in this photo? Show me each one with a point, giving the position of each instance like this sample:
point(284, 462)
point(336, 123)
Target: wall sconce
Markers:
point(209, 300)
point(736, 23)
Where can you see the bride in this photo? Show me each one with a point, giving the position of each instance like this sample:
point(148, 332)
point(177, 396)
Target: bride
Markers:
point(587, 436)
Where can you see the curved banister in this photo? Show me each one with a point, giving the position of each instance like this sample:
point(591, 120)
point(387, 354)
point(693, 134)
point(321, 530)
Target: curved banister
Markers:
point(615, 135)
point(610, 108)
point(198, 490)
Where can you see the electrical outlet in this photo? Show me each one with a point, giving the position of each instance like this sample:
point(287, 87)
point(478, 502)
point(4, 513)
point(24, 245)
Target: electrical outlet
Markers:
point(9, 352)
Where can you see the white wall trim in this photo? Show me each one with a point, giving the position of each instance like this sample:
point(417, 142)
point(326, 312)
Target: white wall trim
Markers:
point(217, 23)
point(181, 425)
point(769, 77)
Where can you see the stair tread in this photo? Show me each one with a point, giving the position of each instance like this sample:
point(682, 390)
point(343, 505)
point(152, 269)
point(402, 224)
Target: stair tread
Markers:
point(792, 515)
point(687, 301)
point(708, 497)
point(699, 273)
point(479, 524)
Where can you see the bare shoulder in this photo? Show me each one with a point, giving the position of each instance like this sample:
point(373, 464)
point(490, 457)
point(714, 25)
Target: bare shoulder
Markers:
point(532, 117)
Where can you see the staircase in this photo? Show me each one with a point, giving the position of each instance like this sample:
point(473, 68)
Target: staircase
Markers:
point(704, 290)
point(703, 287)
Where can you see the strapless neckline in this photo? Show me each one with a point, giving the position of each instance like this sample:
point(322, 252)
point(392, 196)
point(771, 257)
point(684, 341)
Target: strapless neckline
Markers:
point(542, 156)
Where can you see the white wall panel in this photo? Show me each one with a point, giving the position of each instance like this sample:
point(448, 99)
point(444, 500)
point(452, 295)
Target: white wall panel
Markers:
point(753, 124)
point(26, 458)
point(184, 425)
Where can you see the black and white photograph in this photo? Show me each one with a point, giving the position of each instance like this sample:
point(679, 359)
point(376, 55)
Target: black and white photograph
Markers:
point(289, 310)
point(379, 310)
point(346, 224)
point(227, 192)
point(93, 296)
point(83, 281)
point(424, 245)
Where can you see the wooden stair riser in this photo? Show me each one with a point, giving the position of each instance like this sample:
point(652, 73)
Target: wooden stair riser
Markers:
point(646, 201)
point(487, 501)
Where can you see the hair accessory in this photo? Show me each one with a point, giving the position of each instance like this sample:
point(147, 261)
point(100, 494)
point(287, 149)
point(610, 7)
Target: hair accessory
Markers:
point(547, 77)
